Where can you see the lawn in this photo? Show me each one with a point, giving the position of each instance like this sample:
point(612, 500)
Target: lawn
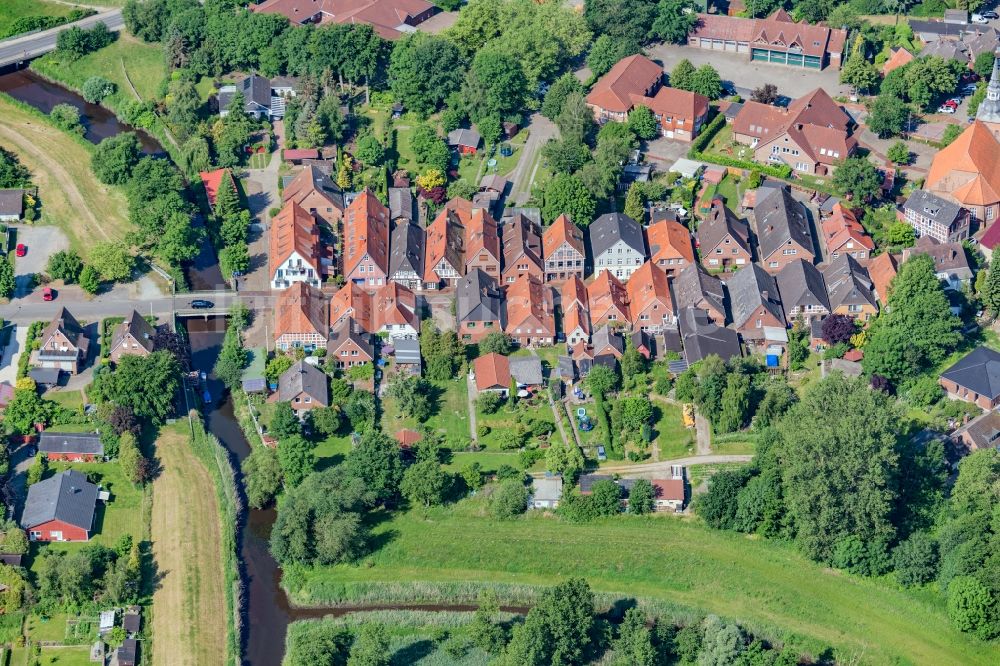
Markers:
point(71, 197)
point(67, 398)
point(762, 584)
point(11, 10)
point(451, 415)
point(672, 438)
point(144, 63)
point(189, 604)
point(538, 409)
point(64, 656)
point(332, 450)
point(122, 514)
point(730, 190)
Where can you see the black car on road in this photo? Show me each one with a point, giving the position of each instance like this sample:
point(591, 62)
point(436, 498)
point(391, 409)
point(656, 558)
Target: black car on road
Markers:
point(201, 304)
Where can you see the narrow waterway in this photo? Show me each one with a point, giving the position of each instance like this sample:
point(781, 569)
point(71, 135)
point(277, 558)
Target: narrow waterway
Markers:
point(99, 123)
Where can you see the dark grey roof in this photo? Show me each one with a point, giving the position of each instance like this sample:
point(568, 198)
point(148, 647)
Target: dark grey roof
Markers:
point(948, 49)
point(848, 283)
point(407, 351)
point(610, 228)
point(948, 257)
point(733, 110)
point(138, 328)
point(801, 284)
point(644, 339)
point(937, 28)
point(351, 330)
point(672, 340)
point(750, 288)
point(304, 378)
point(325, 185)
point(984, 430)
point(828, 204)
point(464, 137)
point(67, 497)
point(257, 89)
point(587, 481)
point(987, 39)
point(44, 376)
point(132, 620)
point(526, 370)
point(720, 222)
point(605, 336)
point(406, 249)
point(780, 219)
point(401, 203)
point(126, 654)
point(70, 327)
point(932, 207)
point(978, 371)
point(702, 337)
point(533, 214)
point(88, 443)
point(494, 182)
point(478, 298)
point(566, 368)
point(693, 284)
point(11, 202)
point(609, 361)
point(521, 238)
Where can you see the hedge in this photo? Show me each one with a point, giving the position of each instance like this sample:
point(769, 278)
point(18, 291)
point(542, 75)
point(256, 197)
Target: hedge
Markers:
point(29, 345)
point(698, 146)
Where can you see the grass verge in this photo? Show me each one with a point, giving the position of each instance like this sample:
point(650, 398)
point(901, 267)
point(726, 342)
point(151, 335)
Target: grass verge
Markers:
point(761, 584)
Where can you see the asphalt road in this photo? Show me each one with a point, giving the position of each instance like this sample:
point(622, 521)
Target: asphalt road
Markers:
point(25, 47)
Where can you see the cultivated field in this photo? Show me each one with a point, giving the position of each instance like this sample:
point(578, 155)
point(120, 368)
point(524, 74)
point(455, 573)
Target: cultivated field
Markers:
point(761, 584)
point(189, 613)
point(72, 199)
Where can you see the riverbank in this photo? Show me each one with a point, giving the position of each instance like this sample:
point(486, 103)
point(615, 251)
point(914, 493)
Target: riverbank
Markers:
point(72, 198)
point(454, 552)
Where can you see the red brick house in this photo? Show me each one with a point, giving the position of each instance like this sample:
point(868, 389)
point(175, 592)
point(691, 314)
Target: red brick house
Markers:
point(391, 19)
point(64, 344)
point(522, 250)
point(317, 193)
point(679, 113)
point(492, 372)
point(670, 246)
point(300, 319)
point(563, 250)
point(71, 446)
point(724, 239)
point(611, 98)
point(530, 312)
point(60, 508)
point(366, 241)
point(304, 387)
point(350, 346)
point(649, 300)
point(132, 336)
point(975, 378)
point(843, 234)
point(783, 232)
point(608, 301)
point(756, 305)
point(575, 305)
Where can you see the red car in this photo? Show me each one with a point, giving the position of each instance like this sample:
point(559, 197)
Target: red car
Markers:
point(21, 250)
point(48, 294)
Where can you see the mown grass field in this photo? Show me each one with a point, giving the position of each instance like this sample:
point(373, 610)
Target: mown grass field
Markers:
point(451, 415)
point(53, 656)
point(122, 514)
point(72, 198)
point(144, 63)
point(189, 609)
point(672, 438)
point(762, 584)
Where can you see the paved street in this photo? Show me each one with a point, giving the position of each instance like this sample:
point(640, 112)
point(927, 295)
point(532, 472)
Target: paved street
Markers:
point(261, 189)
point(540, 130)
point(11, 353)
point(737, 69)
point(29, 46)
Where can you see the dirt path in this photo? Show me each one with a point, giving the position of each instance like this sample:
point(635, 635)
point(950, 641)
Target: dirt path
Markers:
point(189, 614)
point(59, 167)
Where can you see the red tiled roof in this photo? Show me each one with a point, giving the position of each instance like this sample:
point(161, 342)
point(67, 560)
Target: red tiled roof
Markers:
point(968, 170)
point(842, 226)
point(881, 270)
point(294, 230)
point(728, 28)
point(647, 285)
point(899, 57)
point(407, 437)
point(559, 232)
point(366, 231)
point(212, 180)
point(633, 75)
point(385, 16)
point(607, 292)
point(301, 154)
point(668, 239)
point(669, 489)
point(300, 309)
point(529, 303)
point(492, 371)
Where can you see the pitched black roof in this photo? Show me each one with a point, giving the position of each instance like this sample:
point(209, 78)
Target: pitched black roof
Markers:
point(406, 249)
point(138, 328)
point(978, 371)
point(800, 284)
point(703, 337)
point(610, 228)
point(751, 287)
point(478, 298)
point(67, 497)
point(780, 218)
point(87, 443)
point(304, 378)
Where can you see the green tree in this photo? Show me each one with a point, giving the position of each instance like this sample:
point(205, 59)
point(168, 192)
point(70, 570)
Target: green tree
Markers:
point(606, 498)
point(557, 630)
point(635, 203)
point(901, 234)
point(90, 279)
point(899, 153)
point(96, 88)
point(37, 469)
point(917, 331)
point(496, 342)
point(566, 194)
point(722, 643)
point(65, 265)
point(915, 560)
point(424, 70)
point(888, 116)
point(509, 500)
point(297, 459)
point(576, 119)
point(560, 89)
point(839, 465)
point(606, 51)
point(262, 476)
point(371, 647)
point(369, 150)
point(928, 77)
point(602, 380)
point(115, 157)
point(990, 293)
point(8, 283)
point(641, 497)
point(973, 608)
point(634, 645)
point(144, 384)
point(674, 20)
point(735, 403)
point(643, 123)
point(130, 459)
point(495, 84)
point(376, 461)
point(284, 422)
point(12, 172)
point(425, 483)
point(67, 117)
point(412, 394)
point(487, 629)
point(858, 179)
point(859, 73)
point(706, 81)
point(682, 75)
point(983, 64)
point(112, 260)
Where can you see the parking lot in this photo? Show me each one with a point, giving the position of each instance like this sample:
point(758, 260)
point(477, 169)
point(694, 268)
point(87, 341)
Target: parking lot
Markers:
point(41, 243)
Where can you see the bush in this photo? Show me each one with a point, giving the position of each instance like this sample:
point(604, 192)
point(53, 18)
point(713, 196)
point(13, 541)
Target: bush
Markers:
point(489, 402)
point(510, 500)
point(916, 560)
point(66, 117)
point(96, 88)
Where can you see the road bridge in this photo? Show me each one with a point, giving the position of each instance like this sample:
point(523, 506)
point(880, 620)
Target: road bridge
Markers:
point(20, 49)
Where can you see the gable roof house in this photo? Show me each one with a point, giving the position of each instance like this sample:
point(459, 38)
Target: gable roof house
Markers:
point(803, 291)
point(401, 205)
point(783, 232)
point(695, 288)
point(607, 342)
point(811, 136)
point(670, 246)
point(983, 432)
point(967, 171)
point(257, 101)
point(530, 312)
point(479, 306)
point(11, 204)
point(315, 191)
point(482, 242)
point(60, 508)
point(563, 250)
point(132, 336)
point(366, 241)
point(466, 141)
point(350, 345)
point(295, 251)
point(930, 215)
point(649, 299)
point(300, 319)
point(444, 254)
point(351, 302)
point(304, 386)
point(575, 304)
point(899, 58)
point(526, 370)
point(64, 344)
point(611, 98)
point(617, 244)
point(975, 378)
point(522, 250)
point(71, 446)
point(779, 39)
point(492, 373)
point(394, 309)
point(843, 234)
point(724, 239)
point(680, 114)
point(215, 180)
point(951, 264)
point(850, 289)
point(391, 19)
point(406, 255)
point(608, 301)
point(755, 303)
point(703, 337)
point(881, 270)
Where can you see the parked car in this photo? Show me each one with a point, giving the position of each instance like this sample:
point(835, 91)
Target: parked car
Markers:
point(201, 304)
point(979, 18)
point(48, 294)
point(601, 454)
point(990, 14)
point(968, 90)
point(21, 250)
point(955, 100)
point(946, 108)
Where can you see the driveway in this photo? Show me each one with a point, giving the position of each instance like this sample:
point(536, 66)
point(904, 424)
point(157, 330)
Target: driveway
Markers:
point(666, 152)
point(540, 130)
point(440, 303)
point(11, 354)
point(42, 243)
point(261, 189)
point(737, 69)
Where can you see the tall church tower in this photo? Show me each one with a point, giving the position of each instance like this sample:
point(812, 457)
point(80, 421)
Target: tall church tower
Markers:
point(989, 110)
